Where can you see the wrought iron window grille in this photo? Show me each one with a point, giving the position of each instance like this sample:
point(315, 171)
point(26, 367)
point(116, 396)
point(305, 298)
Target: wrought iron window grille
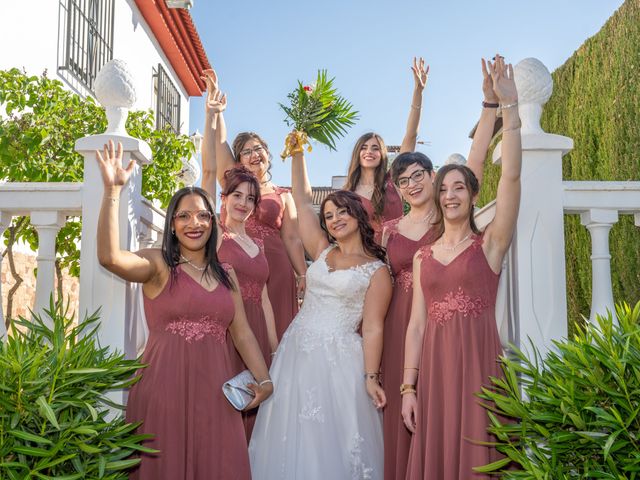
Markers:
point(167, 101)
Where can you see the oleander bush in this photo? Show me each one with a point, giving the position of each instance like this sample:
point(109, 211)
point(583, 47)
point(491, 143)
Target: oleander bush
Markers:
point(576, 413)
point(596, 101)
point(55, 419)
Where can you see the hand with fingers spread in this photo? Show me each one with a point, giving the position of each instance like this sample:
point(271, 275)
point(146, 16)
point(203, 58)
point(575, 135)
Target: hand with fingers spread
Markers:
point(110, 163)
point(504, 84)
point(216, 101)
point(420, 73)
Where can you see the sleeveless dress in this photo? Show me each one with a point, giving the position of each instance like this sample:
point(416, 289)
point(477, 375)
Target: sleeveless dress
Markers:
point(179, 397)
point(459, 353)
point(397, 439)
point(392, 207)
point(252, 274)
point(265, 225)
point(320, 422)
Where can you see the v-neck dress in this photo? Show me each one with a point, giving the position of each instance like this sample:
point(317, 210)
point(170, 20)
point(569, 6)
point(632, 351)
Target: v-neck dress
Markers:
point(397, 439)
point(392, 208)
point(252, 274)
point(179, 397)
point(459, 353)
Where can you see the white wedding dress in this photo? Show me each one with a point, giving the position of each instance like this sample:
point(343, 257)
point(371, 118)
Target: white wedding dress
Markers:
point(320, 423)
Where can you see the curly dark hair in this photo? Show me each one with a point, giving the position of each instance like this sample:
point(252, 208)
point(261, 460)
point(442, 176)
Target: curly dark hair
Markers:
point(171, 246)
point(351, 201)
point(244, 137)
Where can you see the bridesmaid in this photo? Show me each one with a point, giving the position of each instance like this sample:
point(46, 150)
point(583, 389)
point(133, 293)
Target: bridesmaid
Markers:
point(274, 221)
point(413, 174)
point(452, 343)
point(190, 304)
point(240, 198)
point(367, 175)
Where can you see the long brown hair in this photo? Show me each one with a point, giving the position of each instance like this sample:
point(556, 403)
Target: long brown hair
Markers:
point(238, 175)
point(470, 181)
point(353, 204)
point(244, 137)
point(380, 176)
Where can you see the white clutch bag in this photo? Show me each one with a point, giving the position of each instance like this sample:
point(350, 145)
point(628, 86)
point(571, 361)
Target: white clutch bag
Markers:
point(237, 391)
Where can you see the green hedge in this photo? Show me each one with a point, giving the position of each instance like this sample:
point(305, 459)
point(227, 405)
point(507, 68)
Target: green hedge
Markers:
point(596, 101)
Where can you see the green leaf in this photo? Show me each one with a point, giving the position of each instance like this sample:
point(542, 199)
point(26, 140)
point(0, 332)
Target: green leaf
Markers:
point(30, 437)
point(47, 412)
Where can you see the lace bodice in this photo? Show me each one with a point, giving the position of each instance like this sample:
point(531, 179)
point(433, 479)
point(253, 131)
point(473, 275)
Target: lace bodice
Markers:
point(334, 300)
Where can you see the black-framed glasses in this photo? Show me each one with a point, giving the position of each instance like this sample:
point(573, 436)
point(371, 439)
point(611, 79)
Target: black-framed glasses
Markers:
point(417, 176)
point(247, 152)
point(185, 216)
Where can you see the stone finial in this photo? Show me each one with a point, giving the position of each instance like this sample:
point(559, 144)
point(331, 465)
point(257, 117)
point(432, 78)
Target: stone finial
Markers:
point(455, 159)
point(114, 87)
point(190, 172)
point(535, 85)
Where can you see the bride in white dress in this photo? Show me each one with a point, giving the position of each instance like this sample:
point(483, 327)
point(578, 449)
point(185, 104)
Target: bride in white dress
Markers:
point(324, 420)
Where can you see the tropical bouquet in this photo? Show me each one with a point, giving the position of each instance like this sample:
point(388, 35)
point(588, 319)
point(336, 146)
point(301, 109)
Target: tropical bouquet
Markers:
point(316, 111)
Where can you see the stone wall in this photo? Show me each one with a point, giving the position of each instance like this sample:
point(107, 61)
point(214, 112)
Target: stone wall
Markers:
point(25, 295)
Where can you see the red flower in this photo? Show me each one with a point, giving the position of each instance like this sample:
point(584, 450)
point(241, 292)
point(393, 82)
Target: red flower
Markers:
point(307, 88)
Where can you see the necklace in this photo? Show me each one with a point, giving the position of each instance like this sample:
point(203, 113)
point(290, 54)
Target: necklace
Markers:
point(424, 219)
point(200, 269)
point(453, 248)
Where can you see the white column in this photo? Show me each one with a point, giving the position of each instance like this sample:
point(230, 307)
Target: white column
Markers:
point(100, 289)
point(47, 224)
point(538, 279)
point(599, 223)
point(5, 222)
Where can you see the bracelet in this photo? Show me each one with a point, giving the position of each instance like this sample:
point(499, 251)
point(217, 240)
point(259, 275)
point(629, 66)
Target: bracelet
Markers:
point(490, 105)
point(372, 376)
point(264, 382)
point(508, 105)
point(412, 368)
point(511, 129)
point(407, 388)
point(298, 277)
point(417, 107)
point(113, 199)
point(273, 354)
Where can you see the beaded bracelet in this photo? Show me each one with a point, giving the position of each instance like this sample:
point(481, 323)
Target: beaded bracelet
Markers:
point(508, 105)
point(264, 382)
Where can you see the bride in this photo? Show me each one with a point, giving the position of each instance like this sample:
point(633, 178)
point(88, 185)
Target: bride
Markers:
point(324, 419)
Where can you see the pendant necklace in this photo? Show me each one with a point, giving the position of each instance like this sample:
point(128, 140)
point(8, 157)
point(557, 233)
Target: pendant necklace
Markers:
point(453, 248)
point(200, 269)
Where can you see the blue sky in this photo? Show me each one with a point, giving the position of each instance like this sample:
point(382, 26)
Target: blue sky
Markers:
point(261, 48)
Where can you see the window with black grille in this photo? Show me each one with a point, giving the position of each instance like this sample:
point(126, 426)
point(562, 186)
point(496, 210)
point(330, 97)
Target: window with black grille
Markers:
point(167, 101)
point(86, 36)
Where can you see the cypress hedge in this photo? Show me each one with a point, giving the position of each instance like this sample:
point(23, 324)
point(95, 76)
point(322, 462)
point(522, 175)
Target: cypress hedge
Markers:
point(596, 101)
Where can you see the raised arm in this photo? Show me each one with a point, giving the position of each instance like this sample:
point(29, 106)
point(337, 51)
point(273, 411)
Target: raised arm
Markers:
point(420, 75)
point(218, 145)
point(290, 234)
point(214, 105)
point(376, 303)
point(413, 346)
point(484, 131)
point(313, 237)
point(141, 267)
point(499, 233)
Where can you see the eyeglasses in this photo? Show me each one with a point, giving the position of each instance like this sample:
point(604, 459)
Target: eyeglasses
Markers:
point(417, 176)
point(185, 216)
point(247, 152)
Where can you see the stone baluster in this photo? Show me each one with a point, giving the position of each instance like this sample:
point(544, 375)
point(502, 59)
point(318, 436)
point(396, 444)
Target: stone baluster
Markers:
point(5, 222)
point(599, 223)
point(47, 224)
point(539, 278)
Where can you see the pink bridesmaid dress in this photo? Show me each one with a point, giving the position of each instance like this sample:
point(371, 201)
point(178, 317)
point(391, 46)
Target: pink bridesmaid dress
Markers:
point(179, 398)
point(392, 207)
point(252, 274)
point(459, 353)
point(400, 252)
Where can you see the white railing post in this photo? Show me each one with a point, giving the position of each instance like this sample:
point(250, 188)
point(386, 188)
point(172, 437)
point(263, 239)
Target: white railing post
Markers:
point(5, 222)
point(100, 289)
point(539, 288)
point(599, 223)
point(47, 224)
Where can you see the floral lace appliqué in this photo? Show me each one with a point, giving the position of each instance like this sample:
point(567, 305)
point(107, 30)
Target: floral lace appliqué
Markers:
point(456, 302)
point(259, 230)
point(196, 330)
point(311, 410)
point(251, 291)
point(404, 278)
point(359, 471)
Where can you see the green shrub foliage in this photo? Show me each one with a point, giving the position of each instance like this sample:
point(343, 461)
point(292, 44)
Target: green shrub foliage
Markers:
point(54, 420)
point(596, 101)
point(577, 415)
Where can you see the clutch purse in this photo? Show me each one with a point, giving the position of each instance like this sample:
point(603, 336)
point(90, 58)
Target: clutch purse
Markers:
point(237, 391)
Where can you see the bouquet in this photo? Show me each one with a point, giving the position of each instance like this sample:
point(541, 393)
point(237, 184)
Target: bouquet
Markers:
point(316, 111)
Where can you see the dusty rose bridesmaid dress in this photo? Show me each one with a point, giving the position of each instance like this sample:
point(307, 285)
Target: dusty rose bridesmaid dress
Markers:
point(392, 207)
point(179, 398)
point(459, 354)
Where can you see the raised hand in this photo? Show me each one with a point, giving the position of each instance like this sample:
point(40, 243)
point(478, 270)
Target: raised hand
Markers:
point(420, 74)
point(504, 84)
point(487, 85)
point(110, 163)
point(216, 101)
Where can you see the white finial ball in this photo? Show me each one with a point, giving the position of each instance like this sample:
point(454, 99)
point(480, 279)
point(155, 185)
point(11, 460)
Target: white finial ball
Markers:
point(533, 81)
point(455, 159)
point(190, 172)
point(114, 85)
